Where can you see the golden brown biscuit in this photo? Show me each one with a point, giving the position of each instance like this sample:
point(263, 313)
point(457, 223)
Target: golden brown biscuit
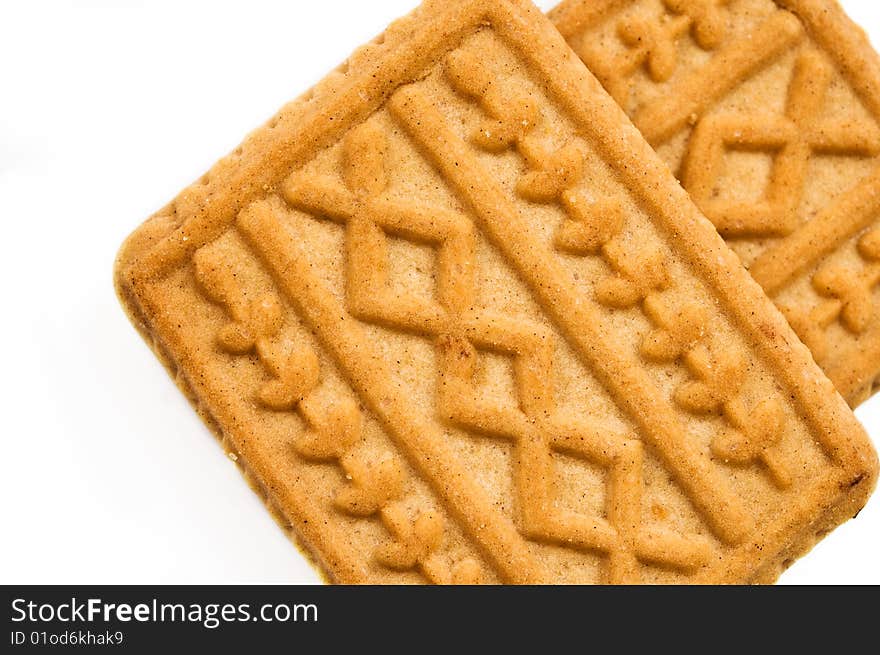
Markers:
point(767, 112)
point(458, 323)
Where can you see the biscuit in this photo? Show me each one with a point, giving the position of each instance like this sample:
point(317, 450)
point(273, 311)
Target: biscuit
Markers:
point(458, 323)
point(768, 113)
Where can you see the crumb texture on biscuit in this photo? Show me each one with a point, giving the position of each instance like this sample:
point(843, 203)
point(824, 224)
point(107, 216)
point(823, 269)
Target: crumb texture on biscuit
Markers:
point(768, 112)
point(474, 332)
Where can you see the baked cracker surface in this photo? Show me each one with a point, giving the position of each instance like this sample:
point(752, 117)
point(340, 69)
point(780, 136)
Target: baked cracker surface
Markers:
point(768, 113)
point(459, 324)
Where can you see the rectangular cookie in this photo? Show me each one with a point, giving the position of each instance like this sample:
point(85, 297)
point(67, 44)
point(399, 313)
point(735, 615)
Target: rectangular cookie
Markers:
point(767, 111)
point(459, 323)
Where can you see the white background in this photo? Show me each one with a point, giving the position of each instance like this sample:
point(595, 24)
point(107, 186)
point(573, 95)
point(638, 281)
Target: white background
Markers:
point(107, 109)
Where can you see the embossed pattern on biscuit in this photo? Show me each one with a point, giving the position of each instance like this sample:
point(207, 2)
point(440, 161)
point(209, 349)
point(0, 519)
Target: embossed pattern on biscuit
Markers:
point(768, 112)
point(460, 337)
point(375, 484)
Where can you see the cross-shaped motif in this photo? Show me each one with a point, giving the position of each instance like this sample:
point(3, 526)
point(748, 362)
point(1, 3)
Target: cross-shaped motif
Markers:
point(791, 139)
point(849, 298)
point(553, 173)
point(854, 290)
point(417, 543)
point(652, 42)
point(372, 485)
point(511, 114)
point(719, 372)
point(639, 272)
point(707, 19)
point(336, 428)
point(810, 324)
point(752, 437)
point(679, 324)
point(416, 540)
point(719, 376)
point(589, 225)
